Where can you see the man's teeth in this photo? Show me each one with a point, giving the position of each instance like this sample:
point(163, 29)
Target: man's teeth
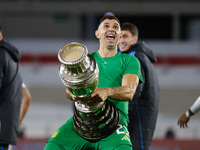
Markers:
point(111, 36)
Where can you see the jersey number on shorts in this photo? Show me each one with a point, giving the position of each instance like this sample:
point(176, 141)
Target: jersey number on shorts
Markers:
point(122, 132)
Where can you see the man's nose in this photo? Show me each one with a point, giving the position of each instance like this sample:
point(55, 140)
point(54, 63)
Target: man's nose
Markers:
point(121, 40)
point(111, 29)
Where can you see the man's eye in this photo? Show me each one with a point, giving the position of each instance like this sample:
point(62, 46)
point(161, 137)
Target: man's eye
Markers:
point(116, 27)
point(106, 26)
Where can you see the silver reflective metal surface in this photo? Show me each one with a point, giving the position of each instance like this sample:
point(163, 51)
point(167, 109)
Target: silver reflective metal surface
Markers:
point(79, 73)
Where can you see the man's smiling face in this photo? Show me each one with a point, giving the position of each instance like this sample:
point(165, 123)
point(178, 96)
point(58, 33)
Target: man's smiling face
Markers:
point(126, 40)
point(109, 32)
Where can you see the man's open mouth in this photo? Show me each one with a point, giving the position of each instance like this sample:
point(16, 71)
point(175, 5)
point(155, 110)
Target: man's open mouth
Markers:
point(110, 36)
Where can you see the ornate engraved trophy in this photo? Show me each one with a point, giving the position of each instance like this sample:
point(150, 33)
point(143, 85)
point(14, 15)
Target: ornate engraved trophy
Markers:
point(79, 73)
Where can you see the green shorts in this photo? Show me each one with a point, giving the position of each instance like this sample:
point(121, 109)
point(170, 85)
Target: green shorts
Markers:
point(65, 138)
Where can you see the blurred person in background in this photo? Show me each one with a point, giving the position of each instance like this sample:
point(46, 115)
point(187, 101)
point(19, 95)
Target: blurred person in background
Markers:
point(143, 109)
point(184, 118)
point(11, 110)
point(170, 133)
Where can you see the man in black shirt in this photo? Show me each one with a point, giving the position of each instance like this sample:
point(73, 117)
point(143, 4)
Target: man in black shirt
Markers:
point(143, 109)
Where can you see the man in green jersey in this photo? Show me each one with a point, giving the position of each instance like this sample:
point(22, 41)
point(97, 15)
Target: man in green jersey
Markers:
point(119, 76)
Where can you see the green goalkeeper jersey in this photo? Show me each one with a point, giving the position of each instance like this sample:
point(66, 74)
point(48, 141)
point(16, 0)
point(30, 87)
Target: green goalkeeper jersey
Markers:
point(111, 71)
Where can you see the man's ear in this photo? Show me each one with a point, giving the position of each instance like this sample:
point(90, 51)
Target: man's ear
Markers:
point(135, 39)
point(97, 34)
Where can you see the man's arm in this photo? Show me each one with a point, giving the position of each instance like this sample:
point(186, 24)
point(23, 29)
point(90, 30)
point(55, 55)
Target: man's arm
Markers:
point(26, 100)
point(184, 118)
point(122, 93)
point(125, 92)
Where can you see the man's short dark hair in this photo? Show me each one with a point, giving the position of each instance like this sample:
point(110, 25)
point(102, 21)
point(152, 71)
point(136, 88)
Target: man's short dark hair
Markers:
point(109, 17)
point(131, 28)
point(0, 29)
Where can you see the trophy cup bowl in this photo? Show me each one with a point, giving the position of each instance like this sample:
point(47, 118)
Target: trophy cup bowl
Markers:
point(80, 74)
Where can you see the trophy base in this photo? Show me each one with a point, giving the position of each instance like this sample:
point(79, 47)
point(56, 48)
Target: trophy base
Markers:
point(96, 125)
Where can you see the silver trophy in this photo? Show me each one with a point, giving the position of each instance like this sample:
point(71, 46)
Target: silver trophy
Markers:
point(80, 74)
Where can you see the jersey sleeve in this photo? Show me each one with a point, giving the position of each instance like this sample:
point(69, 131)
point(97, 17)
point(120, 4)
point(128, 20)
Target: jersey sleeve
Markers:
point(133, 66)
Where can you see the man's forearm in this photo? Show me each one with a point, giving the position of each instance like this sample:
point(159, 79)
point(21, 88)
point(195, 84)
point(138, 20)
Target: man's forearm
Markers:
point(123, 93)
